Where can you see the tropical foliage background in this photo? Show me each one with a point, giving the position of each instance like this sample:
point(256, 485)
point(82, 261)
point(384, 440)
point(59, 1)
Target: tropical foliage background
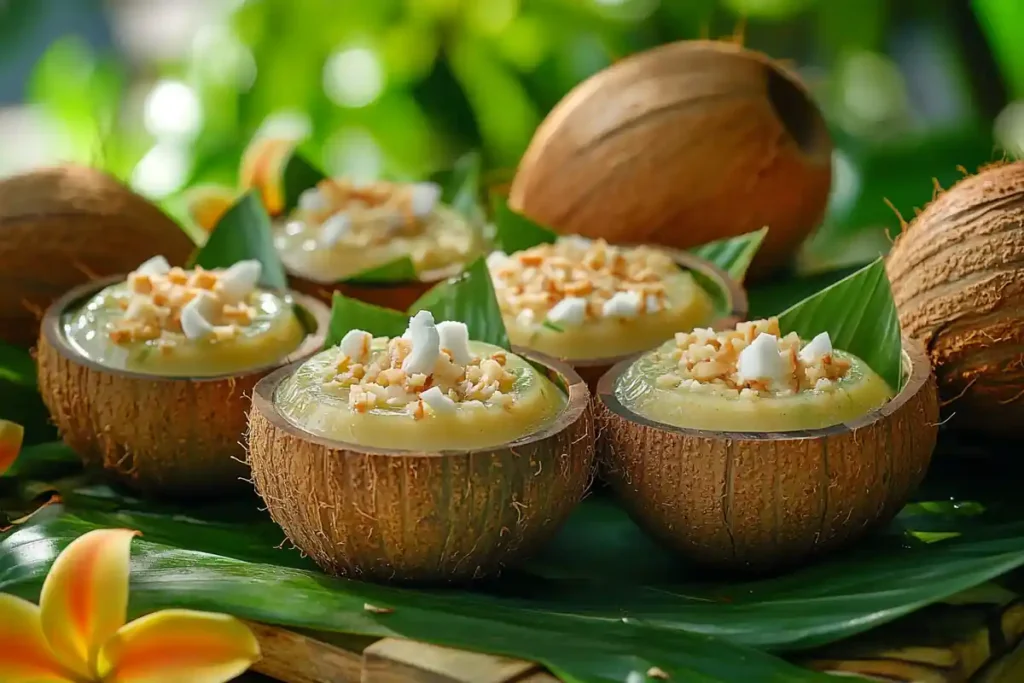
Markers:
point(167, 93)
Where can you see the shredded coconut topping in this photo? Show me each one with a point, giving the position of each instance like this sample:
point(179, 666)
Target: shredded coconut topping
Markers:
point(428, 369)
point(575, 280)
point(167, 302)
point(367, 215)
point(754, 359)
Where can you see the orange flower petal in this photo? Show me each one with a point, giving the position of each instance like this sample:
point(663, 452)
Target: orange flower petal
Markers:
point(178, 645)
point(11, 434)
point(263, 169)
point(85, 597)
point(25, 656)
point(207, 205)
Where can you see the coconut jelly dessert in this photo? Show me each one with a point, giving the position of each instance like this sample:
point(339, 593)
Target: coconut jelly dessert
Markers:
point(580, 299)
point(431, 389)
point(185, 323)
point(751, 378)
point(340, 229)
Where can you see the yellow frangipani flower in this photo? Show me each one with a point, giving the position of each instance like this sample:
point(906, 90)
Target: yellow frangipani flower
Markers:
point(11, 435)
point(78, 634)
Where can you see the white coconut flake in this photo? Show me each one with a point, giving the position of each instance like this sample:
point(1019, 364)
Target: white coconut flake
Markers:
point(426, 344)
point(572, 310)
point(437, 401)
point(818, 347)
point(526, 317)
point(454, 337)
point(622, 305)
point(157, 265)
point(356, 345)
point(334, 229)
point(652, 304)
point(312, 200)
point(762, 361)
point(193, 317)
point(239, 281)
point(496, 259)
point(424, 197)
point(576, 241)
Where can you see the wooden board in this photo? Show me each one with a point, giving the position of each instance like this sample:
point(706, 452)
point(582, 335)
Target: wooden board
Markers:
point(976, 637)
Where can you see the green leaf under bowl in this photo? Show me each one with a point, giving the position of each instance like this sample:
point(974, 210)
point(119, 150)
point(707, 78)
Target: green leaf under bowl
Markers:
point(734, 254)
point(401, 269)
point(468, 298)
point(859, 314)
point(298, 176)
point(514, 231)
point(349, 314)
point(244, 232)
point(460, 185)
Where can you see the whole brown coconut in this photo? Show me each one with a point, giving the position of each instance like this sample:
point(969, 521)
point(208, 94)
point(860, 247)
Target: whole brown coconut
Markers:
point(393, 515)
point(957, 274)
point(755, 502)
point(681, 145)
point(163, 436)
point(61, 227)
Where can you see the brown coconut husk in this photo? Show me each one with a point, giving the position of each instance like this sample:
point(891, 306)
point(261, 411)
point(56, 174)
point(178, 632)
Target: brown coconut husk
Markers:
point(957, 274)
point(764, 501)
point(61, 227)
point(174, 437)
point(592, 369)
point(681, 145)
point(394, 515)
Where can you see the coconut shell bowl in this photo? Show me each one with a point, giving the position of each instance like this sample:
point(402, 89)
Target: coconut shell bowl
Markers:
point(162, 436)
point(762, 502)
point(422, 517)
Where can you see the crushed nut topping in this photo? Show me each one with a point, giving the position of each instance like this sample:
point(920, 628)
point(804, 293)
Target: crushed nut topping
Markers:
point(367, 215)
point(575, 280)
point(754, 359)
point(421, 371)
point(166, 303)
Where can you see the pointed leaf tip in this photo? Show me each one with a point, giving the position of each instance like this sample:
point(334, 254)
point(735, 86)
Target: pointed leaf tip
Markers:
point(178, 645)
point(84, 599)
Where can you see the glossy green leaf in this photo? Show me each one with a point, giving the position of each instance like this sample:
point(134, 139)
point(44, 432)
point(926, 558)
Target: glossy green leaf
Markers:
point(460, 185)
point(298, 176)
point(514, 231)
point(17, 366)
point(45, 461)
point(244, 232)
point(733, 255)
point(349, 314)
point(859, 314)
point(401, 269)
point(577, 647)
point(469, 298)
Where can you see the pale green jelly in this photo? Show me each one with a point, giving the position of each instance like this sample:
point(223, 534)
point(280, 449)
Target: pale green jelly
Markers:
point(311, 402)
point(854, 395)
point(274, 333)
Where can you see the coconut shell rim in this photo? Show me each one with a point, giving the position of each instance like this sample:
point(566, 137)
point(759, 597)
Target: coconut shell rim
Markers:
point(739, 303)
point(918, 374)
point(576, 406)
point(51, 329)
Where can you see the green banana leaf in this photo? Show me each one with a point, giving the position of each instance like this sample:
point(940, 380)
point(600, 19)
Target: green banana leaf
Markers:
point(468, 297)
point(733, 255)
point(19, 398)
point(859, 314)
point(244, 233)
